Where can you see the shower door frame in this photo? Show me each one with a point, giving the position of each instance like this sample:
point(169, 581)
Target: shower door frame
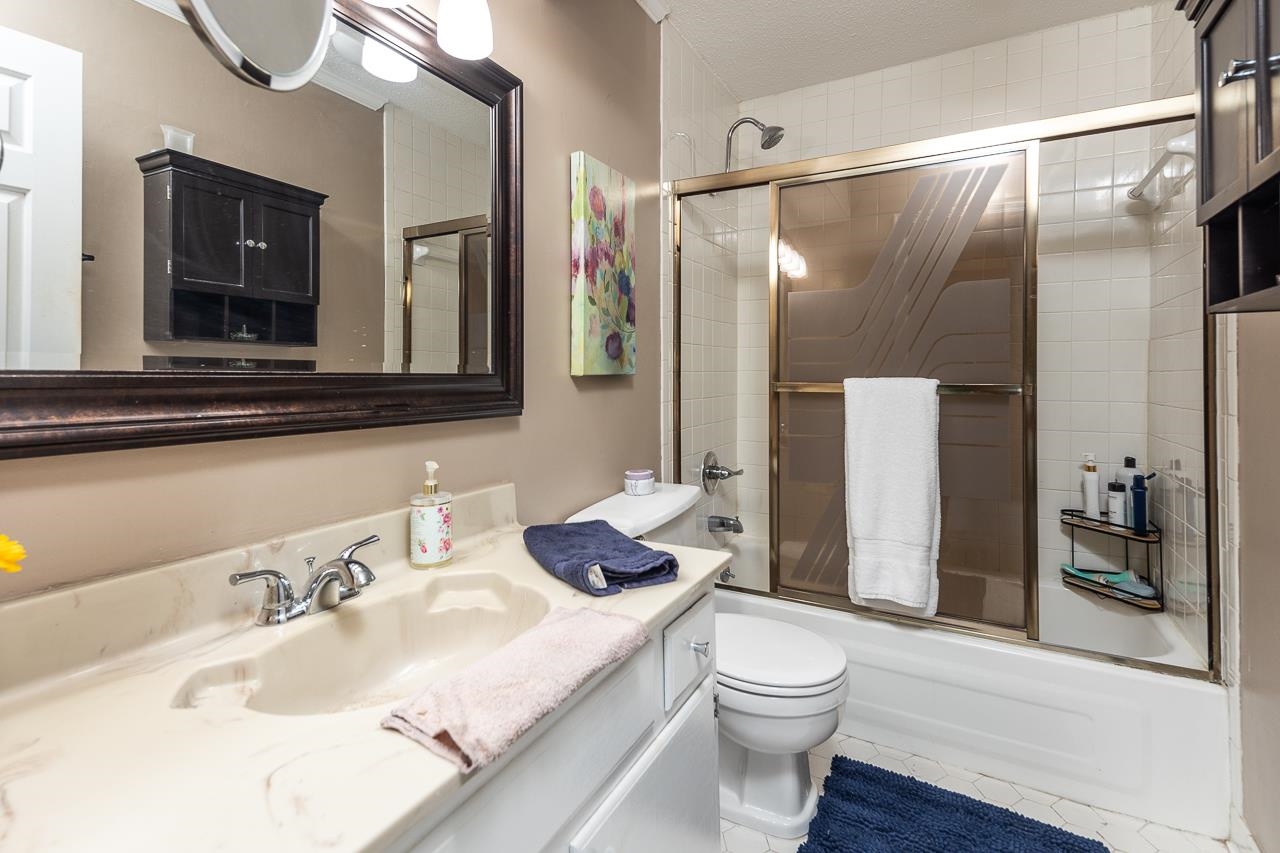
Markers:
point(1030, 151)
point(1024, 136)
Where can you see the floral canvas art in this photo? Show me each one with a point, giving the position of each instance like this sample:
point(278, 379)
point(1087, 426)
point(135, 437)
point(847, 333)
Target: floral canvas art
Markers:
point(602, 269)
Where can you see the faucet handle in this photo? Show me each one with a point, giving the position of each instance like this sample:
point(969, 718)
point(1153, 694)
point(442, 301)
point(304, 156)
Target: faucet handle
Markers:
point(361, 573)
point(348, 551)
point(279, 590)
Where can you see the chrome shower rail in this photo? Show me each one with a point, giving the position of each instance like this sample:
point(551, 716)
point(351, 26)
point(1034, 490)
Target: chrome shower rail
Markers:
point(943, 388)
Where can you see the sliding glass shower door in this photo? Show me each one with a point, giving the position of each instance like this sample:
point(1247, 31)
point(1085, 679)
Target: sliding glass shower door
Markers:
point(908, 270)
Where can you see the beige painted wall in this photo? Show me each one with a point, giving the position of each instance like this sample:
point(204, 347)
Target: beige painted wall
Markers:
point(591, 76)
point(139, 74)
point(1260, 576)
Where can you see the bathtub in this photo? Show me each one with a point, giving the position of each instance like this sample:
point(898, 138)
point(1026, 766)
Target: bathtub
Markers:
point(1120, 738)
point(1081, 620)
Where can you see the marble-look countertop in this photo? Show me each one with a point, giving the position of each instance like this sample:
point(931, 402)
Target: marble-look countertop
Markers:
point(100, 759)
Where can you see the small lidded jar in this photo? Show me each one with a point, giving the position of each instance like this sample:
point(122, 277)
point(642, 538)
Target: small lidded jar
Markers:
point(639, 481)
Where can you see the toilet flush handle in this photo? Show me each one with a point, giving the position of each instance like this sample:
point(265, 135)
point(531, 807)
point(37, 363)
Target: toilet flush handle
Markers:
point(703, 648)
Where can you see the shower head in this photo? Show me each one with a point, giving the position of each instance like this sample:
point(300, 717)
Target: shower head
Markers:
point(770, 135)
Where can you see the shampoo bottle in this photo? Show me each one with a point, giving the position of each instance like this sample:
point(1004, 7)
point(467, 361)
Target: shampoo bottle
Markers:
point(1089, 486)
point(430, 524)
point(1140, 504)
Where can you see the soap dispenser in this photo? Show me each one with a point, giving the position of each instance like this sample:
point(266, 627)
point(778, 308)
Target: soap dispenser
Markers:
point(430, 524)
point(1089, 487)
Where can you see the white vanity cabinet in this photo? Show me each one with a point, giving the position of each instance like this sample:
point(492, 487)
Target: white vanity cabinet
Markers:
point(662, 801)
point(629, 768)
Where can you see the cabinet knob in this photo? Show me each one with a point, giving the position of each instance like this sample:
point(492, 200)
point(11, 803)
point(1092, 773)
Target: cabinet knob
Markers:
point(703, 648)
point(1238, 69)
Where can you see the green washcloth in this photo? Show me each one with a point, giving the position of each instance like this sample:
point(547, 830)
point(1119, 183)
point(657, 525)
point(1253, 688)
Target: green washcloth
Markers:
point(1120, 581)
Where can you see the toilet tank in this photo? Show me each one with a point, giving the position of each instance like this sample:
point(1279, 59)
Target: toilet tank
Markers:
point(666, 516)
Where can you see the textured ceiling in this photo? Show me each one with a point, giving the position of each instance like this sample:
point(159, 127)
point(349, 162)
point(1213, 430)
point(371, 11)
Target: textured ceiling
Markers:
point(761, 47)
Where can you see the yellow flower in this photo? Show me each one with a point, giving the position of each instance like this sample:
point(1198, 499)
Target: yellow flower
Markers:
point(11, 553)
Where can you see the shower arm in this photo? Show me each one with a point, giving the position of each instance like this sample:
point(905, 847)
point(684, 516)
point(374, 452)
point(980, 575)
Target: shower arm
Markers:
point(728, 139)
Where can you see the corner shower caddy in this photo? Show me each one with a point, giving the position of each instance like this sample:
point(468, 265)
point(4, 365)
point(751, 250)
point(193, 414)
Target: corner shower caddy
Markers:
point(1075, 519)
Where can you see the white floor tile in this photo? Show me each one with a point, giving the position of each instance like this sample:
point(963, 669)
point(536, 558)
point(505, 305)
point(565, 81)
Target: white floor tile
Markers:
point(785, 845)
point(1036, 796)
point(1038, 811)
point(739, 839)
point(995, 791)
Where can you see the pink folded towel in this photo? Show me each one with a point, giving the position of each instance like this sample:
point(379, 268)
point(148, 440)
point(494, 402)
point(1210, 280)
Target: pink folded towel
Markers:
point(473, 716)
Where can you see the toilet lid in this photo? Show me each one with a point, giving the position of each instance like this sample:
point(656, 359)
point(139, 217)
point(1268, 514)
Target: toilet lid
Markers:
point(767, 652)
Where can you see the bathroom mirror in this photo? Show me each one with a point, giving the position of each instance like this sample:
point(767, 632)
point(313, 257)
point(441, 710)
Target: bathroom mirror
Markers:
point(214, 259)
point(277, 45)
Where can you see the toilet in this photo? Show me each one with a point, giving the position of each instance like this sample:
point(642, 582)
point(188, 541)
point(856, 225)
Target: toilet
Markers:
point(781, 692)
point(780, 689)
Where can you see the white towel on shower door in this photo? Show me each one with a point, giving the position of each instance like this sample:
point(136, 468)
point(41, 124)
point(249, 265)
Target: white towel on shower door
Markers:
point(892, 497)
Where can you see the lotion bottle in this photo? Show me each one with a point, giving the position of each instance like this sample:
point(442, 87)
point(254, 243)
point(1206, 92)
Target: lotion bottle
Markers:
point(1089, 486)
point(1116, 510)
point(430, 524)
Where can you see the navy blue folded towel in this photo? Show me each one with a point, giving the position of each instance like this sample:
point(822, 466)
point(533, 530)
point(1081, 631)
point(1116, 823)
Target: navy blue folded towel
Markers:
point(588, 551)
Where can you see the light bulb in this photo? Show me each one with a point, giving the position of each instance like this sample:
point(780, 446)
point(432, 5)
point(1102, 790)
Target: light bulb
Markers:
point(465, 29)
point(381, 61)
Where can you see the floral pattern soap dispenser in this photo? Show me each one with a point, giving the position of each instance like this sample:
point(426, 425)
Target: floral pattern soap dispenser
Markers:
point(430, 524)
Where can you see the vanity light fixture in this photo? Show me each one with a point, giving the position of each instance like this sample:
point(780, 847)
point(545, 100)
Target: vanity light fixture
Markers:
point(465, 28)
point(381, 61)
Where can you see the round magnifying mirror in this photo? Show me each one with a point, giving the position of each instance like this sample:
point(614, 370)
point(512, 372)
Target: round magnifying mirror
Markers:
point(278, 44)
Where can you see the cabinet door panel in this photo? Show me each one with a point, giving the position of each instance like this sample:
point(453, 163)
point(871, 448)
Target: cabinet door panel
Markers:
point(288, 250)
point(670, 798)
point(1227, 84)
point(1267, 161)
point(210, 230)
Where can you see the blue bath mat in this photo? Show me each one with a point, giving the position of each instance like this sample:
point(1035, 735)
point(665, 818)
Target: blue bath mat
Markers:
point(866, 809)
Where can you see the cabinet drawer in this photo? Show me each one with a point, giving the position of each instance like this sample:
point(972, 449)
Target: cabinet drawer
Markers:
point(669, 800)
point(688, 650)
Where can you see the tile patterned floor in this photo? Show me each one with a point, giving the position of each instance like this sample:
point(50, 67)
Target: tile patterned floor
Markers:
point(1121, 833)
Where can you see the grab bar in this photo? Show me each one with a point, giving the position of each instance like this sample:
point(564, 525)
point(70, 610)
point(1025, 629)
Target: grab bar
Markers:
point(943, 388)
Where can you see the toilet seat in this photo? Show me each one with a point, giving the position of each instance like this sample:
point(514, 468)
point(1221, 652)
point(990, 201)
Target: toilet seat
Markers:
point(771, 658)
point(780, 692)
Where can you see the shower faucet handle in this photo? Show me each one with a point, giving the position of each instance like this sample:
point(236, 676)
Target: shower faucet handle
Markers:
point(712, 472)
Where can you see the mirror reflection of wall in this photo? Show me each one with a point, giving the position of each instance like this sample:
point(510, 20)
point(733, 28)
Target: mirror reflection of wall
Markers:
point(95, 81)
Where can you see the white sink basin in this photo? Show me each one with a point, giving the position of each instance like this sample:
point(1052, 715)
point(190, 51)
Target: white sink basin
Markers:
point(368, 653)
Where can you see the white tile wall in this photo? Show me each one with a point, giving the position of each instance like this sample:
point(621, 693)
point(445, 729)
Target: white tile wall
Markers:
point(1094, 331)
point(432, 175)
point(1096, 63)
point(697, 109)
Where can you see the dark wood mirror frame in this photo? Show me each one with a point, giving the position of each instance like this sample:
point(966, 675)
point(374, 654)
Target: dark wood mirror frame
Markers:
point(47, 412)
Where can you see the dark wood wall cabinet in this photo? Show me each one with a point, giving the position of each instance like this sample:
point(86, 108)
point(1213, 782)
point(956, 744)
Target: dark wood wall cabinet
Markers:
point(1238, 81)
point(229, 255)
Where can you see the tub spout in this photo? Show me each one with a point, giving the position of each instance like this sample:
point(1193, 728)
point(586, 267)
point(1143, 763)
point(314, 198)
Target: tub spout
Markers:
point(723, 524)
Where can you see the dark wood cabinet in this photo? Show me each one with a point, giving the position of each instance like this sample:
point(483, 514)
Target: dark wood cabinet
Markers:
point(1238, 157)
point(229, 255)
point(1227, 86)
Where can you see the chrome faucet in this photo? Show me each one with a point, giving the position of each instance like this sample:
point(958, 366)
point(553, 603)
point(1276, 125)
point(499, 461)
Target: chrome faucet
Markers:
point(723, 524)
point(279, 605)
